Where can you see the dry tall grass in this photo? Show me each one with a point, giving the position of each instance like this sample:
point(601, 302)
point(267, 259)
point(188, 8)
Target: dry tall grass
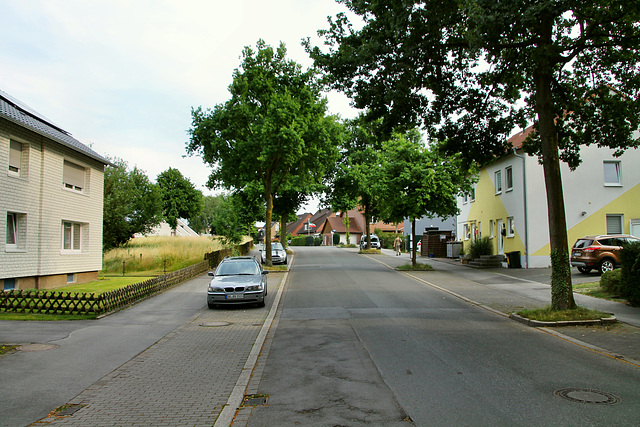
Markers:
point(151, 255)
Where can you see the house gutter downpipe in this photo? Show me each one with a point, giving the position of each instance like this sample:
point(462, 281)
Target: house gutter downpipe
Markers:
point(524, 197)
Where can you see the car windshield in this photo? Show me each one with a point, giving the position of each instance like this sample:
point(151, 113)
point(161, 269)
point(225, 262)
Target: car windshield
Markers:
point(583, 243)
point(276, 246)
point(237, 268)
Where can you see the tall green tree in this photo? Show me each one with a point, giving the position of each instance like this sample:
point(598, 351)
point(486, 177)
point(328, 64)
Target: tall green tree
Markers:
point(418, 181)
point(203, 222)
point(180, 198)
point(471, 70)
point(274, 127)
point(357, 171)
point(132, 204)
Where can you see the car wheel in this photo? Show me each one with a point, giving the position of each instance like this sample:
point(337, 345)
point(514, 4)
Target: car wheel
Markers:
point(584, 270)
point(286, 261)
point(606, 265)
point(211, 305)
point(261, 304)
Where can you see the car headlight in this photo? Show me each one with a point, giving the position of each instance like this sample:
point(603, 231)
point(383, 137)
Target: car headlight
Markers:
point(254, 288)
point(215, 288)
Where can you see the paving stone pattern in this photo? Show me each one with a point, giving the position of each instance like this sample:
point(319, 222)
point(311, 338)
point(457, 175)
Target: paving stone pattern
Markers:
point(185, 379)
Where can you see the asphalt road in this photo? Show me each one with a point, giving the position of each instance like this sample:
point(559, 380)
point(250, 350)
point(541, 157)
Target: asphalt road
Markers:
point(33, 383)
point(358, 343)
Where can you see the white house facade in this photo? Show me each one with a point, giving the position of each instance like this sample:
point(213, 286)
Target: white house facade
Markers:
point(602, 196)
point(51, 201)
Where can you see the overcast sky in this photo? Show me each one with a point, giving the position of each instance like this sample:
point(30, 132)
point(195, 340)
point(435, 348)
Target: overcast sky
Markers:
point(122, 75)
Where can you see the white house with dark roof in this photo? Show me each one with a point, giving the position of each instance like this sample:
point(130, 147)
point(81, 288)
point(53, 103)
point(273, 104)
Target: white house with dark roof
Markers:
point(51, 200)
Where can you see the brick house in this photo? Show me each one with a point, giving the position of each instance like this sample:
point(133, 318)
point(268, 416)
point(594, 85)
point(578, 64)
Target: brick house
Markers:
point(51, 200)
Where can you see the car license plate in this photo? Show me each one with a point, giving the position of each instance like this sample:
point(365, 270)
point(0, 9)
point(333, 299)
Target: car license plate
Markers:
point(577, 254)
point(235, 296)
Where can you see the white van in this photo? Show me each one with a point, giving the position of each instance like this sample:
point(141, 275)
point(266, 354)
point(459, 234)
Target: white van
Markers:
point(375, 242)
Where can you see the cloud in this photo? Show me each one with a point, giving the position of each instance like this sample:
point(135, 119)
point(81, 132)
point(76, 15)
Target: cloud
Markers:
point(123, 75)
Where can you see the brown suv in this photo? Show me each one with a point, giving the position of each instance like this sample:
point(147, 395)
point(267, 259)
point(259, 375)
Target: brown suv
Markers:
point(599, 252)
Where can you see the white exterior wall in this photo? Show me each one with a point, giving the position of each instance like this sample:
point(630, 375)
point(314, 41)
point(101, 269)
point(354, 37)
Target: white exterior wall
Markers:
point(46, 203)
point(587, 201)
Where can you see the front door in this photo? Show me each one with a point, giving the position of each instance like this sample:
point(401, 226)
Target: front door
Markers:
point(500, 237)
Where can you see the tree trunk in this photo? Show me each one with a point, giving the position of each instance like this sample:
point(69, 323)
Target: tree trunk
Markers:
point(347, 225)
point(267, 223)
point(414, 246)
point(367, 228)
point(561, 288)
point(283, 231)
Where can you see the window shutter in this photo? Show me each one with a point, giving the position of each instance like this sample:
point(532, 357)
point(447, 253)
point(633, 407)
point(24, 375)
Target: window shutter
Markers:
point(73, 176)
point(614, 224)
point(15, 156)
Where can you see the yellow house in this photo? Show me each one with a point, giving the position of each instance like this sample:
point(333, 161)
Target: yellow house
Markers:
point(508, 205)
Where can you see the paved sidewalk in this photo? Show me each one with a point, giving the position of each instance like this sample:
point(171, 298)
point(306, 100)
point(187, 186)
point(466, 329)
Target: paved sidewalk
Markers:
point(185, 379)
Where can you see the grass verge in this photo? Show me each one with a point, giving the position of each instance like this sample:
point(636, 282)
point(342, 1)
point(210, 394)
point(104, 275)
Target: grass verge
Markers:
point(104, 284)
point(548, 315)
point(417, 267)
point(370, 251)
point(593, 289)
point(47, 317)
point(6, 348)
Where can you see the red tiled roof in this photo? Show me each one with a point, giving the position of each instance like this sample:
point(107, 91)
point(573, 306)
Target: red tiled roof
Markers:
point(517, 139)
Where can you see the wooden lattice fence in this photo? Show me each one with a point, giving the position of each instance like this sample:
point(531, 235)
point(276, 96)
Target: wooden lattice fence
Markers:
point(60, 302)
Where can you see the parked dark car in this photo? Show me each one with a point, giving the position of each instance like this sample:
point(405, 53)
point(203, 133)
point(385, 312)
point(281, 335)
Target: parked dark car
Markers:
point(237, 280)
point(600, 252)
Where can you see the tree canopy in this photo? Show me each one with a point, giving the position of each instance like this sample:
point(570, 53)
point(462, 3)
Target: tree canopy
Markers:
point(132, 204)
point(470, 71)
point(180, 199)
point(273, 130)
point(417, 181)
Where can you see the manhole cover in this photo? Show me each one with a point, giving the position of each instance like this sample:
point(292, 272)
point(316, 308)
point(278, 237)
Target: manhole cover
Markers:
point(582, 395)
point(214, 324)
point(37, 347)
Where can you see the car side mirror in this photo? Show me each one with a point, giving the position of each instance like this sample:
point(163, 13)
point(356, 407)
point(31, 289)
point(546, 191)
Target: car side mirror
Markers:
point(265, 271)
point(210, 273)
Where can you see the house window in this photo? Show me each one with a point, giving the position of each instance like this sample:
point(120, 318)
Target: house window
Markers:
point(73, 176)
point(508, 178)
point(71, 278)
point(491, 228)
point(612, 173)
point(465, 231)
point(465, 198)
point(16, 231)
point(12, 229)
point(479, 230)
point(71, 236)
point(473, 194)
point(498, 179)
point(614, 224)
point(9, 284)
point(511, 227)
point(18, 158)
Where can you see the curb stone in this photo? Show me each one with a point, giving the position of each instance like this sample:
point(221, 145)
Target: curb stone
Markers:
point(537, 323)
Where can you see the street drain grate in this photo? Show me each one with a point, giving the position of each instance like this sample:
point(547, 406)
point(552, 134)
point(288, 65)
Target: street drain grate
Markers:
point(68, 410)
point(255, 400)
point(588, 396)
point(214, 324)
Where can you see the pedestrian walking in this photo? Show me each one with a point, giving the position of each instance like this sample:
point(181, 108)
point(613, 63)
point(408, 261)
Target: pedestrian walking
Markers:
point(397, 244)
